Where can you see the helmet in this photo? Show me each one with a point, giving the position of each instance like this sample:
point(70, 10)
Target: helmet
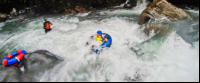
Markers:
point(45, 19)
point(99, 32)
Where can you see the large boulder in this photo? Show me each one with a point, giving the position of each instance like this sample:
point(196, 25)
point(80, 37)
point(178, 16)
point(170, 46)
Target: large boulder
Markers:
point(36, 63)
point(160, 9)
point(158, 29)
point(10, 74)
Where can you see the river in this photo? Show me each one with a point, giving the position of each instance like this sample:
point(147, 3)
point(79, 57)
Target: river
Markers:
point(173, 58)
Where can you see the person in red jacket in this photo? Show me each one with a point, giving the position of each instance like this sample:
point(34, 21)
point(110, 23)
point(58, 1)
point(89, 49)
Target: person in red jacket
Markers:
point(47, 25)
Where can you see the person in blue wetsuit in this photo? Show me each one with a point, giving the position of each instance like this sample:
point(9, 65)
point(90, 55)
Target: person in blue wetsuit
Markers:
point(104, 38)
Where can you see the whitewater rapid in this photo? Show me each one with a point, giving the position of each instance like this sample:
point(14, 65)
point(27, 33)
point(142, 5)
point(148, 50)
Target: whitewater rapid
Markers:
point(169, 60)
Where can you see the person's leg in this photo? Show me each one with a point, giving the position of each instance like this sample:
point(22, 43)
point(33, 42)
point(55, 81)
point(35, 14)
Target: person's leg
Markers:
point(46, 31)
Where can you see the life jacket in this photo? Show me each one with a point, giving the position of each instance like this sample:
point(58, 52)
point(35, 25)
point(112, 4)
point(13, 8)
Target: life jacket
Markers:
point(99, 38)
point(48, 25)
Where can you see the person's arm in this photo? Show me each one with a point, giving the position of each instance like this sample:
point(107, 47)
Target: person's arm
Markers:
point(105, 41)
point(44, 26)
point(103, 45)
point(50, 23)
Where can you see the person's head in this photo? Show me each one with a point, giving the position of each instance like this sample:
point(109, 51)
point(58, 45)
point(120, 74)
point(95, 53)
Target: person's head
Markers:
point(45, 19)
point(99, 33)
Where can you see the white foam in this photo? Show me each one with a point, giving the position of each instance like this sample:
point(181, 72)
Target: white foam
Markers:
point(171, 60)
point(193, 11)
point(1, 25)
point(83, 14)
point(136, 10)
point(178, 62)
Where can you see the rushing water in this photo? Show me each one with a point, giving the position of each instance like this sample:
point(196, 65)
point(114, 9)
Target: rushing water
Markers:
point(174, 57)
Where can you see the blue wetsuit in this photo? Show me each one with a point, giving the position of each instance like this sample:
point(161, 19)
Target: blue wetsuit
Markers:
point(104, 44)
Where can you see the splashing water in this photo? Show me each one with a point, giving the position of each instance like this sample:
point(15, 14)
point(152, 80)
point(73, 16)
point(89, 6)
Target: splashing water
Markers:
point(171, 59)
point(141, 5)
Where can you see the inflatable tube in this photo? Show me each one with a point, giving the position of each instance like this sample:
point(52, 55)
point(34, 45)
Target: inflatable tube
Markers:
point(104, 45)
point(108, 43)
point(14, 59)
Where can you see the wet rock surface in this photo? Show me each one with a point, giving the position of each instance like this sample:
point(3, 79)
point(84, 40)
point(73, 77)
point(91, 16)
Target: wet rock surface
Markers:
point(162, 9)
point(10, 74)
point(35, 64)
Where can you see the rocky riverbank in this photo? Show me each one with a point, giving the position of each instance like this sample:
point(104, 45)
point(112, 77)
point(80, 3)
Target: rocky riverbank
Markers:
point(71, 6)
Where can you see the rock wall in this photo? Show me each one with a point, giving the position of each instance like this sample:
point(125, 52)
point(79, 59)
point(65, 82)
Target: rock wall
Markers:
point(58, 6)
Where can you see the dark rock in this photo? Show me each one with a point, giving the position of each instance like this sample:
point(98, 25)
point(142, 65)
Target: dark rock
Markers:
point(69, 11)
point(2, 19)
point(37, 63)
point(158, 29)
point(4, 16)
point(58, 6)
point(184, 3)
point(10, 74)
point(80, 9)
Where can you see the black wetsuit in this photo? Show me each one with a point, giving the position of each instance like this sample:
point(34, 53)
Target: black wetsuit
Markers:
point(47, 30)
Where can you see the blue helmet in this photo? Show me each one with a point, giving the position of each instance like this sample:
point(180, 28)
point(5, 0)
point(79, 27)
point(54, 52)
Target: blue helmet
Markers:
point(99, 32)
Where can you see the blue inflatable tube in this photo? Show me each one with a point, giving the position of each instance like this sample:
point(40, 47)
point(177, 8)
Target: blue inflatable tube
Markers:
point(104, 44)
point(108, 43)
point(14, 59)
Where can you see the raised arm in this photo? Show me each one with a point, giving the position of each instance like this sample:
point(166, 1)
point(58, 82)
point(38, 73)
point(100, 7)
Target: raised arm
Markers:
point(50, 23)
point(106, 42)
